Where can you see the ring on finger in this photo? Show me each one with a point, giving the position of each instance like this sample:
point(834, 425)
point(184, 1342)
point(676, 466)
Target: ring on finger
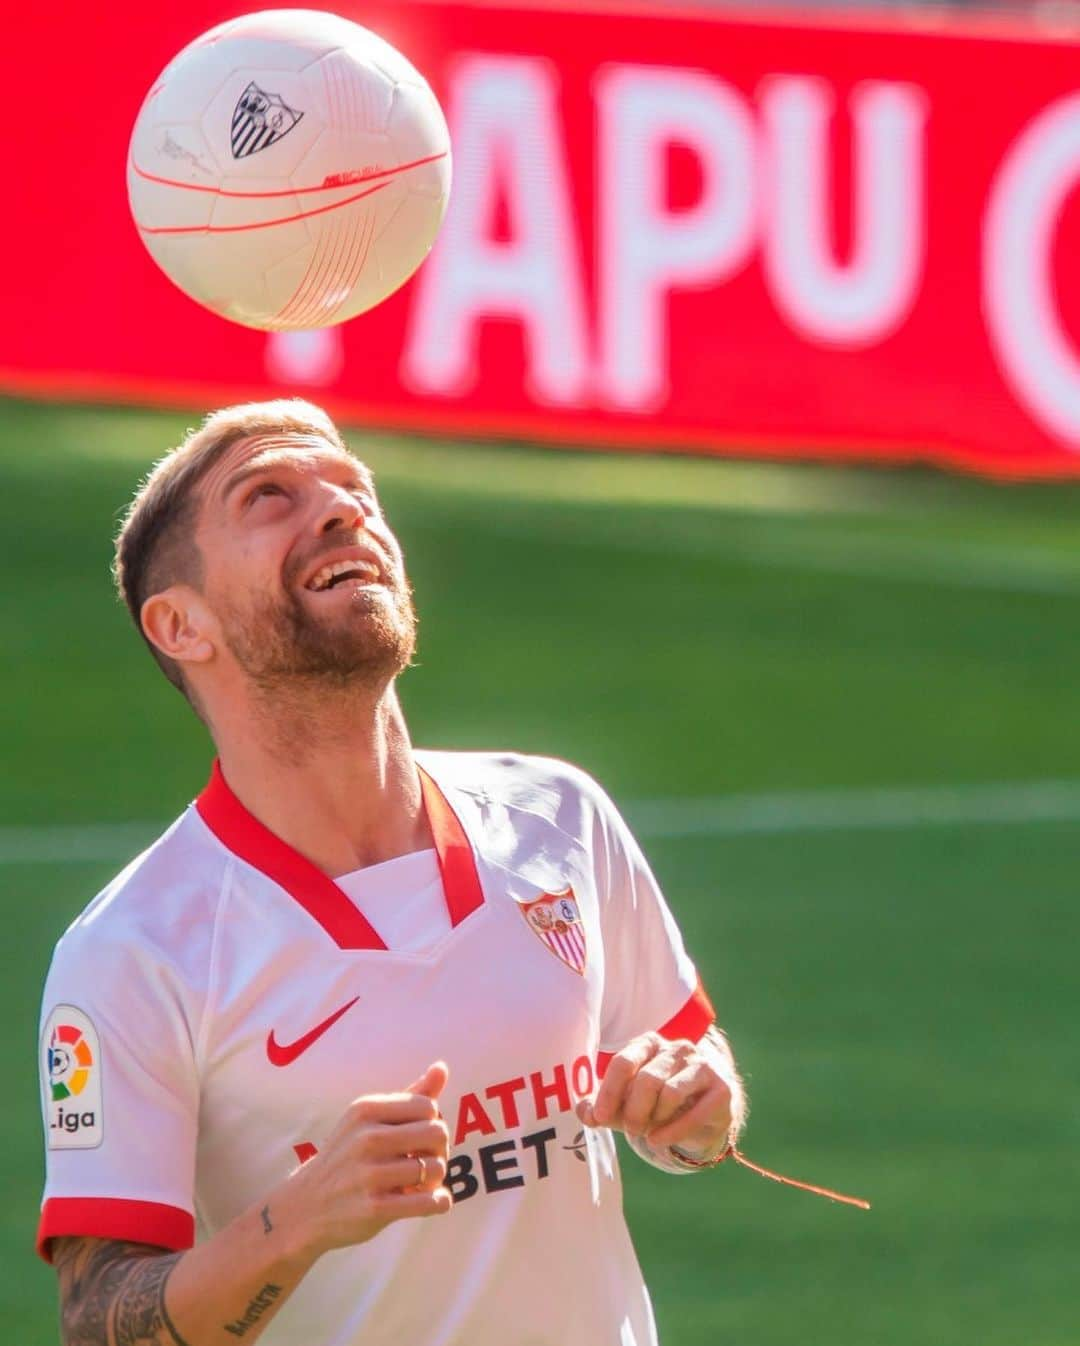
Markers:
point(423, 1170)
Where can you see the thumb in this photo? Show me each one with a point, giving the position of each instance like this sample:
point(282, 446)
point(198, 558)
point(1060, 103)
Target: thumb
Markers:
point(432, 1082)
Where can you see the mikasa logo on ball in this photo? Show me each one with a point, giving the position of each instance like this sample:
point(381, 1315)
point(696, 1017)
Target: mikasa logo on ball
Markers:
point(259, 120)
point(71, 1061)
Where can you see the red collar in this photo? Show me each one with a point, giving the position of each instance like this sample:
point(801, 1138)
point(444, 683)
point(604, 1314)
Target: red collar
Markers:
point(243, 834)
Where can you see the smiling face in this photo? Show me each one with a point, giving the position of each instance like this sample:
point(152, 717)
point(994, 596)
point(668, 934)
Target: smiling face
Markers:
point(299, 568)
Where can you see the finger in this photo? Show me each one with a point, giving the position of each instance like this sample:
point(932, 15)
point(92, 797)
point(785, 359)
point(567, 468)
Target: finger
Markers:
point(413, 1173)
point(585, 1114)
point(391, 1109)
point(644, 1091)
point(624, 1065)
point(681, 1091)
point(432, 1082)
point(412, 1205)
point(392, 1142)
point(711, 1109)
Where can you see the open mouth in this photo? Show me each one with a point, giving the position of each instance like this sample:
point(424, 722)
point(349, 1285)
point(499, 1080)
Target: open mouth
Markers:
point(344, 572)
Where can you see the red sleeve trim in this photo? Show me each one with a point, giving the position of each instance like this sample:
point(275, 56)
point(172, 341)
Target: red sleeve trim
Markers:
point(690, 1022)
point(114, 1218)
point(693, 1019)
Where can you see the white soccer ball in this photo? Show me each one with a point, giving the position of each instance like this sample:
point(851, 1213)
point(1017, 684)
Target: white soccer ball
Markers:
point(289, 169)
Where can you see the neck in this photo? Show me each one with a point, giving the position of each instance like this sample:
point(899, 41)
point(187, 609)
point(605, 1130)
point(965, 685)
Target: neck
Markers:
point(331, 773)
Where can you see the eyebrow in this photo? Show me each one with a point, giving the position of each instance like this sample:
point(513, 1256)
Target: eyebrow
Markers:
point(257, 469)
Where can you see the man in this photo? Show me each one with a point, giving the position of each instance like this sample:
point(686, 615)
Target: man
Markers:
point(353, 987)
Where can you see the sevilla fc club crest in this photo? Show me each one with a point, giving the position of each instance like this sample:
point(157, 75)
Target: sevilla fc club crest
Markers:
point(259, 120)
point(556, 919)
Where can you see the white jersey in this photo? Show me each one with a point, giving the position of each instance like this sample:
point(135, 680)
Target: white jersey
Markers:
point(210, 1015)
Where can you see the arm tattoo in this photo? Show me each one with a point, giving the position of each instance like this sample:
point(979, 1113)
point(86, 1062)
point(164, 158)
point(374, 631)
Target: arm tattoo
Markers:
point(267, 1226)
point(113, 1293)
point(141, 1316)
point(254, 1310)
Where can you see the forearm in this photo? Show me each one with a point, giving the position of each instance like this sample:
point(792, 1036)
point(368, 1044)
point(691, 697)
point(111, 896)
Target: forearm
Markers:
point(384, 1161)
point(221, 1291)
point(232, 1286)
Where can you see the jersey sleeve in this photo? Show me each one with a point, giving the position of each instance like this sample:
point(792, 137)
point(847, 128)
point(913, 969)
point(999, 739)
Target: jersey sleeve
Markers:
point(650, 982)
point(119, 1096)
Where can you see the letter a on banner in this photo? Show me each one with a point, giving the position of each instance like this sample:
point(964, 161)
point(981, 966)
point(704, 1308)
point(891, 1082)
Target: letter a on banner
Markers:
point(507, 137)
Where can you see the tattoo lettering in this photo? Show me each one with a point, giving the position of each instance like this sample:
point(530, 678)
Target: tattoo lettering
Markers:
point(267, 1226)
point(113, 1293)
point(254, 1311)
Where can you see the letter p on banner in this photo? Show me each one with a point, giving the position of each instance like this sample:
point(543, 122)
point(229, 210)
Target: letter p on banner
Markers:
point(647, 249)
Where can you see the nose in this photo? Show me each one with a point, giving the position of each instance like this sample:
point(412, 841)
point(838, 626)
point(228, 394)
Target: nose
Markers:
point(337, 508)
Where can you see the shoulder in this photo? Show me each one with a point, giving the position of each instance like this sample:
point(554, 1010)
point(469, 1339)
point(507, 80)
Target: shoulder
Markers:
point(557, 790)
point(159, 912)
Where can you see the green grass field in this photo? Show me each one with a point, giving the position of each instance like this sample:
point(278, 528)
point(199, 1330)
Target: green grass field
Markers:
point(774, 645)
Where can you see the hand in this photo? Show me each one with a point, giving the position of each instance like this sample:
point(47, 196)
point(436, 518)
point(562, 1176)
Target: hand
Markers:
point(368, 1174)
point(670, 1093)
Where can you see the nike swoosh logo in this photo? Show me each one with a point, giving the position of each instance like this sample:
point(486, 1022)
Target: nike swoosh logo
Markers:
point(283, 1054)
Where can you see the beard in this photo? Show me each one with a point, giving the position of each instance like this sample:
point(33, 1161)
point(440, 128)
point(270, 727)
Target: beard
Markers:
point(281, 645)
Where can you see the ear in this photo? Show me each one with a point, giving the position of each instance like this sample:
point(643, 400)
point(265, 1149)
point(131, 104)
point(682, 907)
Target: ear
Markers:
point(178, 622)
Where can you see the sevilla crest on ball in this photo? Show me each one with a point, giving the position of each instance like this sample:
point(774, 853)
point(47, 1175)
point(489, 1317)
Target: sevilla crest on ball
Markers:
point(555, 919)
point(259, 121)
point(289, 169)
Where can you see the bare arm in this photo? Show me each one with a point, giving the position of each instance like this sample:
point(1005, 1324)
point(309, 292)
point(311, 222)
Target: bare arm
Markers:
point(96, 1302)
point(114, 1293)
point(385, 1161)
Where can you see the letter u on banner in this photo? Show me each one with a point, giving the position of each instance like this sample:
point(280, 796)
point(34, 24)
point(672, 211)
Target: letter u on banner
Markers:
point(860, 301)
point(508, 145)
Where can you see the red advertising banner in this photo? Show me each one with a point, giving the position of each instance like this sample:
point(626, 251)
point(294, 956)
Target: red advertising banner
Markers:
point(667, 230)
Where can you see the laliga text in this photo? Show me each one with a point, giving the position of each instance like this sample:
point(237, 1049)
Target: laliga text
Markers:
point(72, 1122)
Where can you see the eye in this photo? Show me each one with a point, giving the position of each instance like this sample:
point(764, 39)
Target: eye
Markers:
point(264, 488)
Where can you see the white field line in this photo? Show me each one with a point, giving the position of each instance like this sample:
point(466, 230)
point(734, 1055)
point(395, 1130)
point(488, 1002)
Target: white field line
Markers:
point(848, 810)
point(859, 809)
point(74, 844)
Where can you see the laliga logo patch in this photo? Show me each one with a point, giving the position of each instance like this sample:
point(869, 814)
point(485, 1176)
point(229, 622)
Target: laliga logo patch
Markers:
point(556, 920)
point(71, 1057)
point(259, 120)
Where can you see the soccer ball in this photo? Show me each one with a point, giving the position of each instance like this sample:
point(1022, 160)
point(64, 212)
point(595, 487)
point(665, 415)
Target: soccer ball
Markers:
point(289, 169)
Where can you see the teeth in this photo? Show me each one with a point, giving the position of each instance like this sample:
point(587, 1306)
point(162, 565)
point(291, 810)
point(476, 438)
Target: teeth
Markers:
point(323, 578)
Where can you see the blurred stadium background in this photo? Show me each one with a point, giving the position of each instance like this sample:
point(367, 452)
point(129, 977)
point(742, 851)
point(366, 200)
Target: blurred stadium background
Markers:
point(837, 700)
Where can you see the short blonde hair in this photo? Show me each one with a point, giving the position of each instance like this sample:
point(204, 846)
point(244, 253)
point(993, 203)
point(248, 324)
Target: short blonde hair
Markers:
point(155, 546)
